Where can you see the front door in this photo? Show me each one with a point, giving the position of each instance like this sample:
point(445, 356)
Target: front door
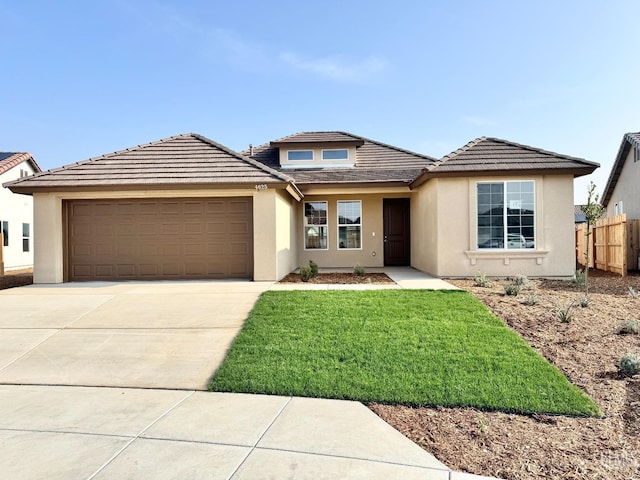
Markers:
point(397, 239)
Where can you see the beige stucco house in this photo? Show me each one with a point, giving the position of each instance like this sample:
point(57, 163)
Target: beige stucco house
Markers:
point(188, 208)
point(16, 213)
point(621, 194)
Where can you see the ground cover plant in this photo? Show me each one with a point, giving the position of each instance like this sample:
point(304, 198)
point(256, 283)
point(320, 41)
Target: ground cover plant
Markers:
point(411, 347)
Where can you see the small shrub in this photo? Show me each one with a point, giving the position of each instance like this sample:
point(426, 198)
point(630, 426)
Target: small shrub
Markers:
point(314, 268)
point(305, 273)
point(634, 293)
point(630, 327)
point(630, 364)
point(481, 280)
point(578, 278)
point(521, 280)
point(531, 300)
point(584, 301)
point(563, 312)
point(358, 271)
point(512, 289)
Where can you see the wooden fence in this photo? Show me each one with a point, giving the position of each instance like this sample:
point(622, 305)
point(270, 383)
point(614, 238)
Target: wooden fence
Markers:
point(614, 244)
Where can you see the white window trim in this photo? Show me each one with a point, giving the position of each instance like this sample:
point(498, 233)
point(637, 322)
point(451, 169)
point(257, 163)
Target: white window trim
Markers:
point(504, 213)
point(304, 227)
point(347, 225)
point(335, 159)
point(301, 150)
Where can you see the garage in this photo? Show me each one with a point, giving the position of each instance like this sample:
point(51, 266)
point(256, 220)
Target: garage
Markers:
point(158, 239)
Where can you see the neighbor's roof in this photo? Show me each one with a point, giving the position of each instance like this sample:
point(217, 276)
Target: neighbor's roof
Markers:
point(376, 162)
point(8, 160)
point(578, 214)
point(487, 156)
point(187, 159)
point(629, 140)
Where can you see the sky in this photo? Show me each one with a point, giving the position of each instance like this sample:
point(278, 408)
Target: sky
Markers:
point(82, 79)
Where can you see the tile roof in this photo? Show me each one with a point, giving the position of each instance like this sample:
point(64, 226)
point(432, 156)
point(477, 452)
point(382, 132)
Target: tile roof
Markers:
point(187, 159)
point(8, 160)
point(578, 214)
point(493, 154)
point(375, 161)
point(628, 140)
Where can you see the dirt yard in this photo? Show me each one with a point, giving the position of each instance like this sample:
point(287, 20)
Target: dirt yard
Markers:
point(587, 350)
point(16, 278)
point(340, 278)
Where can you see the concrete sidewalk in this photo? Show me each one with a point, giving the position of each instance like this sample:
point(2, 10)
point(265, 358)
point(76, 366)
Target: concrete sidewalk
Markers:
point(107, 433)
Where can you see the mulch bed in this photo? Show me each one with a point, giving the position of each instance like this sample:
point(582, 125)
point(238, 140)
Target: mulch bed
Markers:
point(587, 350)
point(16, 278)
point(340, 278)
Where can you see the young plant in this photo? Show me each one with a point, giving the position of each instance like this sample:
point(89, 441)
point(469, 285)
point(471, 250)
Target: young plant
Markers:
point(531, 300)
point(512, 289)
point(584, 301)
point(578, 278)
point(305, 273)
point(359, 271)
point(629, 365)
point(314, 268)
point(630, 327)
point(563, 312)
point(634, 293)
point(521, 280)
point(481, 280)
point(593, 211)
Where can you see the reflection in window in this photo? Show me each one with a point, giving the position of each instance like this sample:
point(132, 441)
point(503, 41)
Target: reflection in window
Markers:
point(315, 225)
point(349, 224)
point(506, 212)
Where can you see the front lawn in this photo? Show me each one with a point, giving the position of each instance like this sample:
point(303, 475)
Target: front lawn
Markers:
point(413, 347)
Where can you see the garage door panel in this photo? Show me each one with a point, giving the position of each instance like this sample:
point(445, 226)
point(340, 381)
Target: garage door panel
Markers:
point(159, 238)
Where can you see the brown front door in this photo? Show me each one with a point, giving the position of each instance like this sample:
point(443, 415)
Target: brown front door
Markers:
point(159, 239)
point(397, 239)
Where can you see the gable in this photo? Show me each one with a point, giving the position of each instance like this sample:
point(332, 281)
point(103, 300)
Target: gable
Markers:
point(11, 160)
point(629, 151)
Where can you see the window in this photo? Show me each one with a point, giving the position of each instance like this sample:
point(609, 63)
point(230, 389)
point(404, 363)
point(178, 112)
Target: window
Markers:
point(315, 225)
point(25, 237)
point(506, 213)
point(5, 233)
point(618, 208)
point(636, 154)
point(349, 224)
point(329, 155)
point(298, 155)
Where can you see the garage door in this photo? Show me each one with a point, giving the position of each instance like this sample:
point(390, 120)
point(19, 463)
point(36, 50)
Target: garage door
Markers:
point(159, 239)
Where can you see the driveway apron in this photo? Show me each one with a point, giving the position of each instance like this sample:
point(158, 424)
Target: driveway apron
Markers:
point(170, 335)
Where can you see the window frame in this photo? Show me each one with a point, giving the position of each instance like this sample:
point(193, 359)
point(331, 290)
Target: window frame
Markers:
point(312, 159)
point(26, 237)
point(305, 225)
point(505, 218)
point(330, 160)
point(4, 229)
point(339, 225)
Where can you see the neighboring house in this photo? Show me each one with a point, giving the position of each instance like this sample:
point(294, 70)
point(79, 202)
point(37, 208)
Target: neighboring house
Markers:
point(16, 212)
point(579, 215)
point(622, 195)
point(188, 207)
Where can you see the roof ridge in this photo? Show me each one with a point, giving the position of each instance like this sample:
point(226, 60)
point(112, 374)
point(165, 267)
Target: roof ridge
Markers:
point(16, 159)
point(387, 145)
point(540, 150)
point(462, 149)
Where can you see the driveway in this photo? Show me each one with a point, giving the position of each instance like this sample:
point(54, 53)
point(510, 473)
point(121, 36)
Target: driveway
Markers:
point(169, 335)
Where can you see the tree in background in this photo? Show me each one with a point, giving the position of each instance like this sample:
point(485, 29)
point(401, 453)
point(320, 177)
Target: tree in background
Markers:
point(593, 211)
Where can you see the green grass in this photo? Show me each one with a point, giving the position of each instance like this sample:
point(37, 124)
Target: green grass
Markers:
point(412, 347)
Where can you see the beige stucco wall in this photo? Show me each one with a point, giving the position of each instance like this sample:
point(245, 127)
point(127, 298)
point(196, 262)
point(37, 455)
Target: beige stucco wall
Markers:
point(454, 246)
point(626, 189)
point(372, 252)
point(274, 254)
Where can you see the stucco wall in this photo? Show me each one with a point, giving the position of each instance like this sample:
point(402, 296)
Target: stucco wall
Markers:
point(456, 225)
point(372, 252)
point(424, 228)
point(16, 209)
point(273, 252)
point(626, 189)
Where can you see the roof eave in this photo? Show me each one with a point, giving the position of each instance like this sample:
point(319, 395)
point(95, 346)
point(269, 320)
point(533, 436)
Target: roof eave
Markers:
point(623, 151)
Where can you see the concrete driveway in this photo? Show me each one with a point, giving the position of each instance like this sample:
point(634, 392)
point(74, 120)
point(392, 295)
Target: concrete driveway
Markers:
point(170, 335)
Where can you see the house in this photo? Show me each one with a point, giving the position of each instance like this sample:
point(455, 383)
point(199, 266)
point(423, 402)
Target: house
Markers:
point(621, 194)
point(16, 213)
point(188, 207)
point(578, 214)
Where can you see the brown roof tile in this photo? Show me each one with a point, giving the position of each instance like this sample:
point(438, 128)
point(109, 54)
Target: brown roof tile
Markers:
point(8, 160)
point(188, 159)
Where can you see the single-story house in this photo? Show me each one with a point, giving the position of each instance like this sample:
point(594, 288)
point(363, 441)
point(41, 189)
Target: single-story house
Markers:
point(16, 213)
point(621, 194)
point(187, 207)
point(578, 214)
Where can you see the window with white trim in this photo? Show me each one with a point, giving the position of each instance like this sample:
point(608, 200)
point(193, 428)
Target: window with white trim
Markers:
point(335, 154)
point(349, 224)
point(315, 225)
point(506, 215)
point(26, 236)
point(300, 155)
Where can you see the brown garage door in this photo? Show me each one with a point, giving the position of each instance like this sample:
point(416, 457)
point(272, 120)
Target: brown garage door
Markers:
point(159, 239)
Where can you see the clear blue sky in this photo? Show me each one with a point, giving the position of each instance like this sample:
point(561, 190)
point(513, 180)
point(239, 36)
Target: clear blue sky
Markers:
point(83, 78)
